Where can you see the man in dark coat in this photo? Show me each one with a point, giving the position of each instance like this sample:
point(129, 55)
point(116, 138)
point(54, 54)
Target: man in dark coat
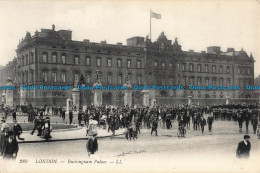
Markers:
point(17, 129)
point(14, 115)
point(210, 121)
point(10, 148)
point(70, 116)
point(254, 123)
point(243, 149)
point(92, 145)
point(202, 124)
point(154, 126)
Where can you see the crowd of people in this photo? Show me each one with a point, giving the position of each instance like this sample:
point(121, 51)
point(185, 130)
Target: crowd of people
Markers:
point(132, 119)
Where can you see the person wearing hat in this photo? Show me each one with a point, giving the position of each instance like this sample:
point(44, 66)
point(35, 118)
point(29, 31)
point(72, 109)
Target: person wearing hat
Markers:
point(17, 129)
point(92, 144)
point(254, 123)
point(10, 148)
point(3, 134)
point(243, 149)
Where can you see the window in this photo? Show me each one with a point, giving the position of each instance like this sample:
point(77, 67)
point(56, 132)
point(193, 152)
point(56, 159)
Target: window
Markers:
point(238, 70)
point(26, 60)
point(44, 76)
point(228, 69)
point(199, 81)
point(213, 69)
point(248, 71)
point(32, 76)
point(138, 64)
point(221, 81)
point(88, 78)
point(207, 81)
point(214, 81)
point(63, 59)
point(163, 81)
point(183, 67)
point(98, 62)
point(87, 61)
point(155, 64)
point(119, 63)
point(109, 78)
point(76, 60)
point(54, 77)
point(139, 80)
point(109, 62)
point(44, 58)
point(220, 69)
point(199, 68)
point(178, 66)
point(170, 65)
point(119, 79)
point(163, 65)
point(191, 67)
point(191, 81)
point(54, 58)
point(32, 57)
point(129, 63)
point(76, 77)
point(206, 68)
point(63, 77)
point(228, 81)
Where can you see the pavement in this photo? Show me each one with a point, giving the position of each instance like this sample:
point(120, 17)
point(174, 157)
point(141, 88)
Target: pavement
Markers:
point(67, 135)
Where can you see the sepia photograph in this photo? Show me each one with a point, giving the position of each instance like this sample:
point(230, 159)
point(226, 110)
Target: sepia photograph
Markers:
point(130, 86)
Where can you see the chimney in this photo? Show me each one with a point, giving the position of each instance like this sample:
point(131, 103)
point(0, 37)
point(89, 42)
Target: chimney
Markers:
point(119, 44)
point(104, 42)
point(230, 49)
point(86, 40)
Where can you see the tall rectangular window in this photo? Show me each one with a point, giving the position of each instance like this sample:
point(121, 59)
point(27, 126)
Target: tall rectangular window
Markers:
point(207, 81)
point(228, 69)
point(109, 62)
point(76, 60)
point(76, 77)
point(87, 61)
point(248, 71)
point(88, 78)
point(109, 78)
point(44, 58)
point(214, 81)
point(199, 68)
point(54, 58)
point(220, 69)
point(138, 64)
point(213, 69)
point(178, 66)
point(221, 81)
point(170, 65)
point(228, 81)
point(139, 80)
point(155, 64)
point(238, 70)
point(44, 76)
point(63, 59)
point(119, 79)
point(199, 81)
point(119, 63)
point(98, 62)
point(63, 77)
point(183, 67)
point(206, 68)
point(191, 67)
point(128, 63)
point(54, 77)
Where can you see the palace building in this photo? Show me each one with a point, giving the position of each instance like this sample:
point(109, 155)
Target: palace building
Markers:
point(52, 58)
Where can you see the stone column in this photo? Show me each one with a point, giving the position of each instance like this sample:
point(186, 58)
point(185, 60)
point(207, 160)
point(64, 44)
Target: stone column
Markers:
point(3, 98)
point(97, 97)
point(145, 97)
point(227, 100)
point(189, 100)
point(75, 97)
point(22, 97)
point(128, 98)
point(68, 105)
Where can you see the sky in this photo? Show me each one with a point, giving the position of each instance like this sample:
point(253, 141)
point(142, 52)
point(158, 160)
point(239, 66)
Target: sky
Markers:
point(197, 24)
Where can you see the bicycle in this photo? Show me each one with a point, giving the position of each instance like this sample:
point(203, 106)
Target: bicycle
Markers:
point(181, 132)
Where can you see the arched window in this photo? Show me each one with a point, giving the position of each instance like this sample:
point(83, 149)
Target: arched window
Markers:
point(44, 57)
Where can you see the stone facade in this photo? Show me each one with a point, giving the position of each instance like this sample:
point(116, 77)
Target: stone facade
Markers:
point(51, 57)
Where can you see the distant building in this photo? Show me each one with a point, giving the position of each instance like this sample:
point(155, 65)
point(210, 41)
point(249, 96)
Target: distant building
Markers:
point(51, 57)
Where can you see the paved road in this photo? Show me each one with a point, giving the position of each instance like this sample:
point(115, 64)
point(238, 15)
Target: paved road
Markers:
point(196, 153)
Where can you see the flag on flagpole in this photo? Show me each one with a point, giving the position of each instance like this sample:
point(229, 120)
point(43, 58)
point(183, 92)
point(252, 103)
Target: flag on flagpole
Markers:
point(155, 15)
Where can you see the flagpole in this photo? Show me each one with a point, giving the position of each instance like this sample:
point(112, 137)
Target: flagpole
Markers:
point(150, 26)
